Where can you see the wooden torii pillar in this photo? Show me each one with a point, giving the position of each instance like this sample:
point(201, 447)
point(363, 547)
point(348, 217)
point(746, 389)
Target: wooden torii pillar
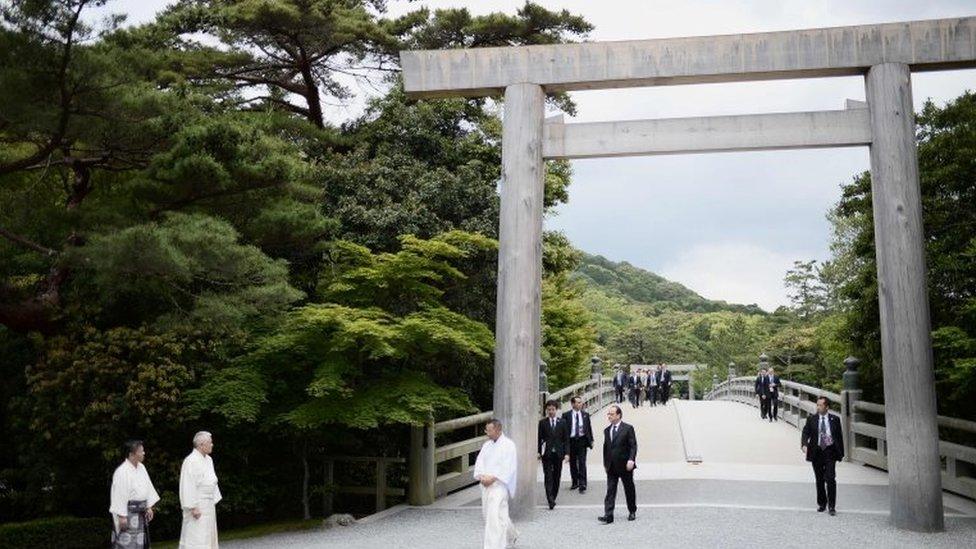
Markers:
point(885, 54)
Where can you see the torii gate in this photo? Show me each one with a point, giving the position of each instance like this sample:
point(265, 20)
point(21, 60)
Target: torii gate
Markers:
point(885, 54)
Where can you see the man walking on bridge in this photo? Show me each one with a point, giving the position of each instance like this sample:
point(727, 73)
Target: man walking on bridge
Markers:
point(761, 393)
point(772, 394)
point(619, 460)
point(619, 382)
point(664, 383)
point(580, 439)
point(495, 469)
point(823, 444)
point(553, 449)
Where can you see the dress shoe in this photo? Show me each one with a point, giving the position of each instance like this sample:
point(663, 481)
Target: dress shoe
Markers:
point(821, 509)
point(551, 505)
point(833, 512)
point(632, 516)
point(583, 490)
point(573, 487)
point(606, 519)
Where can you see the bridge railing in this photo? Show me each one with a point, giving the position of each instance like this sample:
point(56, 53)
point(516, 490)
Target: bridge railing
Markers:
point(863, 425)
point(436, 470)
point(379, 488)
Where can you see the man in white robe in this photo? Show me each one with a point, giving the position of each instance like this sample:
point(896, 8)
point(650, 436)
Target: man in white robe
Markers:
point(199, 495)
point(132, 499)
point(495, 469)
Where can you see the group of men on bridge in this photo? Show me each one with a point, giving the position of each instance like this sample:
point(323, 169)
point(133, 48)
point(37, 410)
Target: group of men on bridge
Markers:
point(651, 385)
point(567, 437)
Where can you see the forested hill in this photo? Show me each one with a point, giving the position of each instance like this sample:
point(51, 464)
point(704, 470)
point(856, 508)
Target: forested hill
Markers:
point(637, 286)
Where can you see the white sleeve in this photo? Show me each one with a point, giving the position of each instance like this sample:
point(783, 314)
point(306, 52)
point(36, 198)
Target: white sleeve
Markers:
point(188, 485)
point(479, 463)
point(119, 505)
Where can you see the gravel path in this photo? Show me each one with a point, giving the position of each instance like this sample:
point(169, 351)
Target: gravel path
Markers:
point(684, 528)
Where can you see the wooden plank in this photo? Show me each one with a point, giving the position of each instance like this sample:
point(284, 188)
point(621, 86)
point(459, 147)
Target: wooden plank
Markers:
point(453, 481)
point(368, 490)
point(811, 53)
point(458, 449)
point(756, 132)
point(366, 459)
point(869, 407)
point(956, 423)
point(868, 429)
point(462, 422)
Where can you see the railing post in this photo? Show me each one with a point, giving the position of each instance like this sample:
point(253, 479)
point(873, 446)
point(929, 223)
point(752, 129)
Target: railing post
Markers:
point(848, 397)
point(380, 484)
point(423, 470)
point(328, 485)
point(596, 375)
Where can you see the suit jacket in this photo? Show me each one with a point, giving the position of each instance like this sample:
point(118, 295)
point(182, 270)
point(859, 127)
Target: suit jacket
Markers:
point(621, 450)
point(759, 384)
point(619, 380)
point(587, 426)
point(556, 440)
point(634, 381)
point(772, 387)
point(664, 378)
point(810, 437)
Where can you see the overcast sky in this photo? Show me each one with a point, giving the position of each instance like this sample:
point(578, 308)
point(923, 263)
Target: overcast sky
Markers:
point(726, 225)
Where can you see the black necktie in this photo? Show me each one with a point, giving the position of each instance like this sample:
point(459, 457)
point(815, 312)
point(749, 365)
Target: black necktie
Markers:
point(613, 434)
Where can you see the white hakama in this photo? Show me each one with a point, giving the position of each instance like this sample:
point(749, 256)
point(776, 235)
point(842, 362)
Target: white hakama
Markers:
point(498, 459)
point(199, 490)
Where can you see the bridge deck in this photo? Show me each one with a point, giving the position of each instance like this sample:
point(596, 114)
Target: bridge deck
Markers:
point(752, 487)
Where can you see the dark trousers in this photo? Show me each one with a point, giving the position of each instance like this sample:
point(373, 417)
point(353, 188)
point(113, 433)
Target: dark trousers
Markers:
point(824, 471)
point(773, 408)
point(629, 490)
point(665, 392)
point(620, 394)
point(552, 468)
point(634, 397)
point(649, 395)
point(577, 461)
point(763, 407)
point(653, 396)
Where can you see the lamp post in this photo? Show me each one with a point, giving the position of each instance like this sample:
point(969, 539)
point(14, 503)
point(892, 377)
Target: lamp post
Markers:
point(596, 368)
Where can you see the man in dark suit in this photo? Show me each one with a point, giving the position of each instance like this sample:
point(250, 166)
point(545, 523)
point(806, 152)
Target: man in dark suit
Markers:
point(652, 386)
point(772, 391)
point(553, 449)
point(580, 439)
point(634, 388)
point(823, 443)
point(664, 383)
point(619, 384)
point(761, 393)
point(619, 460)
